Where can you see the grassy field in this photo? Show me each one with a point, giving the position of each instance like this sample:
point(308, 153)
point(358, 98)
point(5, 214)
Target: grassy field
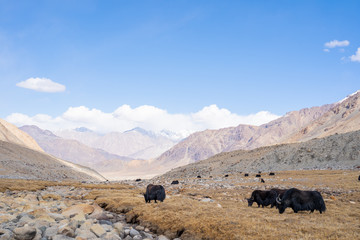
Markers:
point(228, 216)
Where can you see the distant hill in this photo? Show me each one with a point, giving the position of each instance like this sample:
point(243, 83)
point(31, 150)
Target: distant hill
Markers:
point(339, 151)
point(202, 145)
point(136, 143)
point(21, 157)
point(74, 151)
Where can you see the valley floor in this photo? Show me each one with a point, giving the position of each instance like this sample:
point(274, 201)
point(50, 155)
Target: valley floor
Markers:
point(216, 208)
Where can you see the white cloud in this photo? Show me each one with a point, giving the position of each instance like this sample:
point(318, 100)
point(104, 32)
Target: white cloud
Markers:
point(147, 117)
point(326, 50)
point(336, 43)
point(356, 56)
point(41, 85)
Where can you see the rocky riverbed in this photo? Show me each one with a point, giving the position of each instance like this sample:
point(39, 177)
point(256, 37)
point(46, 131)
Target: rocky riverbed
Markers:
point(60, 213)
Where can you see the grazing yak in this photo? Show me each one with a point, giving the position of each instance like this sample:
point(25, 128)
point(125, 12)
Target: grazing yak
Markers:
point(154, 192)
point(279, 193)
point(301, 201)
point(175, 182)
point(263, 198)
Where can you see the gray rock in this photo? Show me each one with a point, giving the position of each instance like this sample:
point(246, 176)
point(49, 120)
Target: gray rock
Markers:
point(62, 237)
point(24, 233)
point(103, 222)
point(127, 231)
point(66, 231)
point(134, 232)
point(119, 227)
point(98, 230)
point(137, 237)
point(50, 232)
point(139, 228)
point(85, 234)
point(162, 237)
point(5, 234)
point(111, 236)
point(57, 217)
point(146, 235)
point(107, 228)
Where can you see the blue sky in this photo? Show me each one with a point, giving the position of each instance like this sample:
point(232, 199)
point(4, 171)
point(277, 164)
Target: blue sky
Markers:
point(217, 59)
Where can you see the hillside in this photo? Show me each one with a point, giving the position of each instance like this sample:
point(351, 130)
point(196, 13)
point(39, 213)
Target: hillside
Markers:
point(21, 157)
point(10, 133)
point(17, 161)
point(202, 145)
point(339, 151)
point(343, 117)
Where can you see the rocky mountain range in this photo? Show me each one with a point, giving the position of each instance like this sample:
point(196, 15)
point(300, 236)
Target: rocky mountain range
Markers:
point(343, 117)
point(338, 151)
point(272, 143)
point(202, 145)
point(74, 151)
point(296, 126)
point(22, 157)
point(136, 143)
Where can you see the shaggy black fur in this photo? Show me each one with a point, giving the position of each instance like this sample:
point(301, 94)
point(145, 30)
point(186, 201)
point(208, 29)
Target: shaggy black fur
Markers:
point(154, 192)
point(301, 201)
point(263, 198)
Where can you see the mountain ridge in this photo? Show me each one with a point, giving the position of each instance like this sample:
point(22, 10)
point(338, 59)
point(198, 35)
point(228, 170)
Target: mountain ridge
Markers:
point(20, 157)
point(338, 151)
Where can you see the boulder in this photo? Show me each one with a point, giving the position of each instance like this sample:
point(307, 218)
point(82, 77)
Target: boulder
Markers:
point(24, 233)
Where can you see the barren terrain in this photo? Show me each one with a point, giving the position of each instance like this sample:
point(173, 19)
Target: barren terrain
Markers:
point(215, 208)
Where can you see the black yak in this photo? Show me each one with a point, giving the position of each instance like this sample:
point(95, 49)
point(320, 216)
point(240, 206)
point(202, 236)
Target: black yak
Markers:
point(154, 192)
point(175, 182)
point(246, 175)
point(271, 174)
point(279, 193)
point(263, 198)
point(262, 180)
point(258, 175)
point(301, 201)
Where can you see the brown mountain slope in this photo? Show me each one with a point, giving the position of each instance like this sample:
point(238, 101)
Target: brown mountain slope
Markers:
point(10, 133)
point(21, 157)
point(343, 117)
point(339, 151)
point(17, 161)
point(202, 145)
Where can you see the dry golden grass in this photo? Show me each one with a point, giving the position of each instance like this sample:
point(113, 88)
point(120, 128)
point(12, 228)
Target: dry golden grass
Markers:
point(34, 185)
point(183, 214)
point(229, 217)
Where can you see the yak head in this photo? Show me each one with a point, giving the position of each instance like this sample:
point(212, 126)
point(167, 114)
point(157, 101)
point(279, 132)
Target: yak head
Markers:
point(280, 205)
point(250, 201)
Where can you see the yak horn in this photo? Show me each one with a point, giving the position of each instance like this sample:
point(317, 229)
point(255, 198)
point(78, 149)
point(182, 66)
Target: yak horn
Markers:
point(278, 200)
